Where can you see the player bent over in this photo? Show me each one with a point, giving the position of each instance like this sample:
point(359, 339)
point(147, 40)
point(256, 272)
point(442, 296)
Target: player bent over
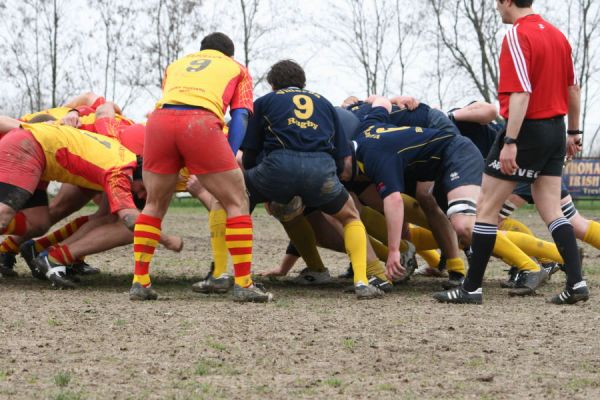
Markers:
point(186, 129)
point(299, 133)
point(65, 154)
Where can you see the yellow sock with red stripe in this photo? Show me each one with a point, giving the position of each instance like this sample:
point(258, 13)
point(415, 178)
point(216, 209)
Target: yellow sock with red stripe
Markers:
point(60, 254)
point(17, 226)
point(511, 254)
point(238, 237)
point(60, 234)
point(511, 224)
point(422, 238)
point(431, 257)
point(592, 235)
point(9, 246)
point(216, 222)
point(355, 240)
point(535, 247)
point(146, 235)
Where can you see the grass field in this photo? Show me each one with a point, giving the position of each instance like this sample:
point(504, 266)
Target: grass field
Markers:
point(93, 343)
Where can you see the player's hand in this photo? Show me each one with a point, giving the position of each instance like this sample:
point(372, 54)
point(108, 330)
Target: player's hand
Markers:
point(508, 159)
point(393, 268)
point(405, 102)
point(71, 119)
point(574, 145)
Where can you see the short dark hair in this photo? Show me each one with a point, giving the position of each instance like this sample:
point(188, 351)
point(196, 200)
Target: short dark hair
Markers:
point(41, 118)
point(286, 73)
point(521, 3)
point(218, 41)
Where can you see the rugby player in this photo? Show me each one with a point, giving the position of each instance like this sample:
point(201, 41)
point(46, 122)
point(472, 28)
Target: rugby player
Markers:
point(64, 154)
point(186, 129)
point(301, 139)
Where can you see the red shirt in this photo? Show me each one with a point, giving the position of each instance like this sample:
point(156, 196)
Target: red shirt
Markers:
point(536, 58)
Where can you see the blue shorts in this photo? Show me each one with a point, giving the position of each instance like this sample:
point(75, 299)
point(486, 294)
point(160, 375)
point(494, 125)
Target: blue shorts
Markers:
point(462, 165)
point(283, 174)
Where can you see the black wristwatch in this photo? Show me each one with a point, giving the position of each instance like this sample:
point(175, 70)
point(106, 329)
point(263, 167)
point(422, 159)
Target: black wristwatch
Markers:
point(509, 140)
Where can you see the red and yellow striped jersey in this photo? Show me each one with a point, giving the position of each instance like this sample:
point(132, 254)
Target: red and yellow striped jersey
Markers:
point(79, 157)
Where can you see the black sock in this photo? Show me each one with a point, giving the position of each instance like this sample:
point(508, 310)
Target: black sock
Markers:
point(482, 244)
point(564, 237)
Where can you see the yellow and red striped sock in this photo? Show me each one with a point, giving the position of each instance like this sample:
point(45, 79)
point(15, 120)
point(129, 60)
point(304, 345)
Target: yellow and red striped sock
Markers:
point(16, 226)
point(60, 234)
point(238, 236)
point(61, 254)
point(9, 245)
point(146, 235)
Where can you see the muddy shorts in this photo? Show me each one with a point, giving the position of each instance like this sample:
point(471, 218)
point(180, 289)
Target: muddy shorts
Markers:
point(283, 174)
point(192, 138)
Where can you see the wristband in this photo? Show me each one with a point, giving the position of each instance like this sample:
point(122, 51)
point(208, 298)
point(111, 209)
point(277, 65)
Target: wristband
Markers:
point(451, 116)
point(509, 140)
point(574, 132)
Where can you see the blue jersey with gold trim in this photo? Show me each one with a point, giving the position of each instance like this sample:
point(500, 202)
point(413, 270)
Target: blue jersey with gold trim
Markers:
point(295, 119)
point(387, 153)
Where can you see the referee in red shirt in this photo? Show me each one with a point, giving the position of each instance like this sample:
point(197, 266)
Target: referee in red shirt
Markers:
point(537, 89)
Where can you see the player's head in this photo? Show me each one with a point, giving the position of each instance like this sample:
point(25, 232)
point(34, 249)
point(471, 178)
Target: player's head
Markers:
point(41, 118)
point(286, 73)
point(218, 41)
point(509, 10)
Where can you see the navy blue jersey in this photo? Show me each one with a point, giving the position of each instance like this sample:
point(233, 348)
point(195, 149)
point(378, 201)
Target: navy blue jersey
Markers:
point(398, 116)
point(295, 119)
point(386, 153)
point(482, 136)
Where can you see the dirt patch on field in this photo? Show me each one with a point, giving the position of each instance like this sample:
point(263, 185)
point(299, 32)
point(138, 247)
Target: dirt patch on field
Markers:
point(311, 343)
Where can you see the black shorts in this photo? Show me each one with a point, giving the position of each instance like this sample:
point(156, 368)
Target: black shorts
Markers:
point(38, 199)
point(541, 150)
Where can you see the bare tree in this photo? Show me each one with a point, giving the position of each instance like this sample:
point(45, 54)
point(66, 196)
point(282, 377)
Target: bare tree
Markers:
point(585, 37)
point(252, 34)
point(458, 23)
point(174, 23)
point(407, 34)
point(367, 34)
